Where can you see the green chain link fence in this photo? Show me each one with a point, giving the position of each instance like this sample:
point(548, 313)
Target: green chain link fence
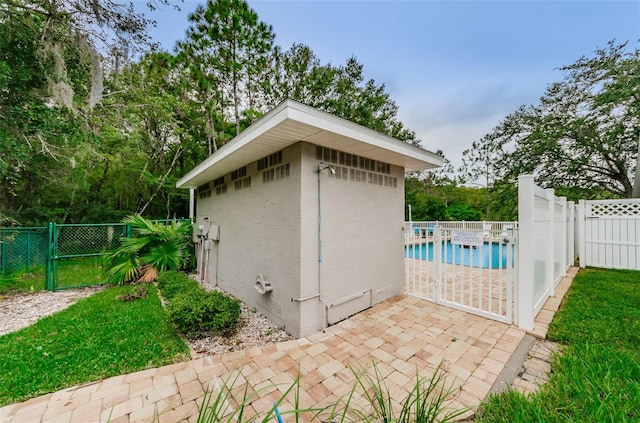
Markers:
point(77, 250)
point(57, 256)
point(23, 255)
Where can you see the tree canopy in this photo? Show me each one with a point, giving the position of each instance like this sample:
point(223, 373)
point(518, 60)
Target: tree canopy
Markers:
point(582, 138)
point(88, 134)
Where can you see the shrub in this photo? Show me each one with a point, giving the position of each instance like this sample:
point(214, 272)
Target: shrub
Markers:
point(173, 283)
point(196, 311)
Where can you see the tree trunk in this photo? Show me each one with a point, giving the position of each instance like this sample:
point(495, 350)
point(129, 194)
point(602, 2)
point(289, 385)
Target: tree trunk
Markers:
point(141, 209)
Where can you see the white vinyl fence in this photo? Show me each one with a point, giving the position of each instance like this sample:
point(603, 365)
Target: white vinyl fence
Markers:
point(609, 233)
point(547, 247)
point(533, 254)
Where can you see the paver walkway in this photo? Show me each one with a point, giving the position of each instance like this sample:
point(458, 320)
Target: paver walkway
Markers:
point(400, 335)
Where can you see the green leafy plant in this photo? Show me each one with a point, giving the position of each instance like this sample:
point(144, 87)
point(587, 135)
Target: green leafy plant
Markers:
point(219, 408)
point(152, 248)
point(194, 310)
point(173, 283)
point(428, 400)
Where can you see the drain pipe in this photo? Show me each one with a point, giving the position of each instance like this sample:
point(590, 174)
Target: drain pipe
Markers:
point(319, 170)
point(325, 317)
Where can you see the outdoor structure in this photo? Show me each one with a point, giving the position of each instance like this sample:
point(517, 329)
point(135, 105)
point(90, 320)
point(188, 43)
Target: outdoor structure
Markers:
point(300, 216)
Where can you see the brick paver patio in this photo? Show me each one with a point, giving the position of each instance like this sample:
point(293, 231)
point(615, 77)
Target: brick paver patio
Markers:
point(400, 335)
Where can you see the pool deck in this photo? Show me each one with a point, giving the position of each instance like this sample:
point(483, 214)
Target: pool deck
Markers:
point(402, 335)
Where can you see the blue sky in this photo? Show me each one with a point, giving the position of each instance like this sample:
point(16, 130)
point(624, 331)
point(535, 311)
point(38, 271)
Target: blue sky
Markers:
point(454, 68)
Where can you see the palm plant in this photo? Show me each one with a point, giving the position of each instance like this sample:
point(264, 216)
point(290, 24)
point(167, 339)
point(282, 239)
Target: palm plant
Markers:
point(151, 248)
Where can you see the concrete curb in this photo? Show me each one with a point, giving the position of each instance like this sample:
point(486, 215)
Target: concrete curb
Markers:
point(514, 366)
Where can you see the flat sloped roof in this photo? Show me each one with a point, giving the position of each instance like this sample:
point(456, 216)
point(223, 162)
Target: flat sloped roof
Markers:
point(291, 122)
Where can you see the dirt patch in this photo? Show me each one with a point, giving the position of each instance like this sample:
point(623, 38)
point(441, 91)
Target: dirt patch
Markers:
point(24, 309)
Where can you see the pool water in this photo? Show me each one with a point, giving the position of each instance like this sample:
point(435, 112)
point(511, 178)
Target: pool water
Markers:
point(491, 255)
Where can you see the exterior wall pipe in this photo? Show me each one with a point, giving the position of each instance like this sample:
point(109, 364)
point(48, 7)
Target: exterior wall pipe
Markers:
point(319, 169)
point(310, 297)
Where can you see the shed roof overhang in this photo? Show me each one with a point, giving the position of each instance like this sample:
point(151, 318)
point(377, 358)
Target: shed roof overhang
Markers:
point(291, 122)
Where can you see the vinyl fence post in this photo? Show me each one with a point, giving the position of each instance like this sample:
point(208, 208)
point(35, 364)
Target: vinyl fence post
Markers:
point(551, 233)
point(524, 282)
point(571, 234)
point(582, 241)
point(565, 238)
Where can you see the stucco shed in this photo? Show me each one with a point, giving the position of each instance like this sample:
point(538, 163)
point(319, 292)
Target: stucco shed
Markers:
point(302, 216)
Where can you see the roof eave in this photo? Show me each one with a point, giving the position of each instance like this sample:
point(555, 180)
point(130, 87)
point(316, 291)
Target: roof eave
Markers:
point(410, 157)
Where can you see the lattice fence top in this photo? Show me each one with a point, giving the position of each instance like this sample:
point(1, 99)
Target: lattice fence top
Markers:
point(629, 208)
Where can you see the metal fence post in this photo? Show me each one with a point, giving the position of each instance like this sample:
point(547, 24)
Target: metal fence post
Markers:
point(437, 261)
point(54, 257)
point(3, 253)
point(48, 269)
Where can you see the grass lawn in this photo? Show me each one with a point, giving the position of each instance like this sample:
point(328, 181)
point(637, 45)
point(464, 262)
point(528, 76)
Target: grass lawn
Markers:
point(72, 272)
point(597, 377)
point(98, 337)
point(23, 281)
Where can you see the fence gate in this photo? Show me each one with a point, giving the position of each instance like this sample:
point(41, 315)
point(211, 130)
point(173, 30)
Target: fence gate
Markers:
point(77, 251)
point(469, 266)
point(609, 233)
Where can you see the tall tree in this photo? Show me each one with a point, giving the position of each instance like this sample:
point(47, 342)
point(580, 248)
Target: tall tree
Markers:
point(342, 90)
point(298, 74)
point(143, 137)
point(583, 133)
point(227, 50)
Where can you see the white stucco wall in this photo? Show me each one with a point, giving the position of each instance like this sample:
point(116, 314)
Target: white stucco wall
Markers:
point(361, 236)
point(259, 234)
point(272, 228)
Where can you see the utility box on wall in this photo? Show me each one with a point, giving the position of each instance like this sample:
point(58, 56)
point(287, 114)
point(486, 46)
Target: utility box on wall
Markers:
point(312, 208)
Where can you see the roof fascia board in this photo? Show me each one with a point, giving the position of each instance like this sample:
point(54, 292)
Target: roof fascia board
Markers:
point(326, 121)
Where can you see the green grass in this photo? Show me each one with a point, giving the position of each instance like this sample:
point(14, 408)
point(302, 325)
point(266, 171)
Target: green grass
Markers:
point(78, 271)
point(23, 281)
point(597, 376)
point(96, 338)
point(603, 308)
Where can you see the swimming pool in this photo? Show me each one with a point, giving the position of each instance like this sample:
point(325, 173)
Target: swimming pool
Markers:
point(491, 255)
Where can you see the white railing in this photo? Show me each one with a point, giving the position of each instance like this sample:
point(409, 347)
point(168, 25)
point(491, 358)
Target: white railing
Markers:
point(547, 247)
point(470, 266)
point(490, 229)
